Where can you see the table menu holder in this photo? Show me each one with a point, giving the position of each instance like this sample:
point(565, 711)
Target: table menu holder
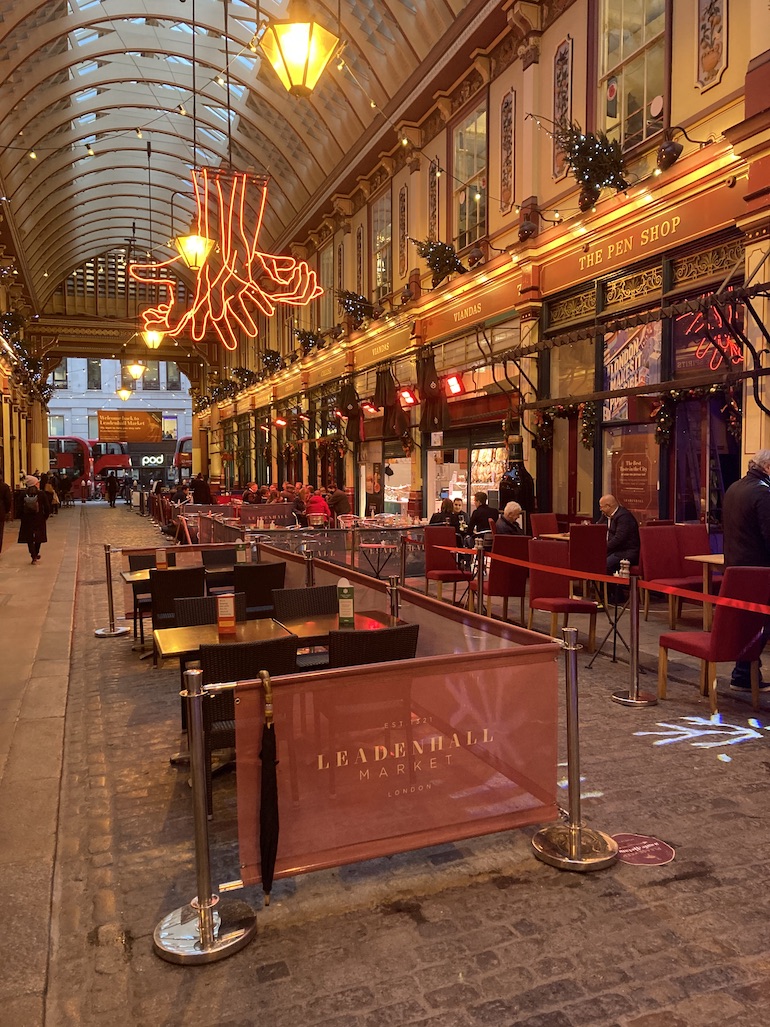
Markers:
point(226, 614)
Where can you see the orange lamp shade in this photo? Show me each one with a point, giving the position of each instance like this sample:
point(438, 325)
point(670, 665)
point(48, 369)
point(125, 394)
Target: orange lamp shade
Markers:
point(152, 339)
point(298, 52)
point(194, 249)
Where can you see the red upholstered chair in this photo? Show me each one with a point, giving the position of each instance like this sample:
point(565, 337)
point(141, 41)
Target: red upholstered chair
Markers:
point(493, 525)
point(505, 579)
point(735, 634)
point(543, 524)
point(663, 563)
point(551, 592)
point(588, 552)
point(441, 566)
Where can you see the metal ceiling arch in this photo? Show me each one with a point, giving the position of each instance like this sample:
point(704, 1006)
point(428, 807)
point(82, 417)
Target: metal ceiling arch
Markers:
point(92, 72)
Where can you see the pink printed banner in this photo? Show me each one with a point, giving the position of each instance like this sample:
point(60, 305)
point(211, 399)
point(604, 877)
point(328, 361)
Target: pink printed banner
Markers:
point(377, 760)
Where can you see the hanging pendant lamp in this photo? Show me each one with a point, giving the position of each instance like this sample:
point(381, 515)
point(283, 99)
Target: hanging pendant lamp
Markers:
point(298, 50)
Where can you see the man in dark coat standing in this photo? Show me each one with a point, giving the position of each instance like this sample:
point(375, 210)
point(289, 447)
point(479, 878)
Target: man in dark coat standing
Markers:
point(6, 506)
point(201, 490)
point(111, 487)
point(746, 520)
point(622, 533)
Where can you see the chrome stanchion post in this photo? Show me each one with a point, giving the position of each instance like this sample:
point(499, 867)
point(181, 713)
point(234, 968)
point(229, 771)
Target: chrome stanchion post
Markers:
point(480, 574)
point(572, 846)
point(633, 697)
point(206, 929)
point(111, 631)
point(393, 583)
point(309, 571)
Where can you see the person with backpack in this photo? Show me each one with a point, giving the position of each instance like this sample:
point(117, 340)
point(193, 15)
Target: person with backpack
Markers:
point(35, 509)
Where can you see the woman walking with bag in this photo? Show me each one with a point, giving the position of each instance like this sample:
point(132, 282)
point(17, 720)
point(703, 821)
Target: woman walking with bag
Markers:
point(35, 509)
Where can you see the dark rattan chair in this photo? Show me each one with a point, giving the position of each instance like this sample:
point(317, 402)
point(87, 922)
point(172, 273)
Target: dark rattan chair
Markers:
point(141, 589)
point(219, 565)
point(203, 610)
point(258, 581)
point(291, 603)
point(238, 661)
point(351, 648)
point(168, 586)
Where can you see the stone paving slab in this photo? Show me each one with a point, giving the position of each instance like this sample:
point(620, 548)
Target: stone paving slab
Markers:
point(476, 933)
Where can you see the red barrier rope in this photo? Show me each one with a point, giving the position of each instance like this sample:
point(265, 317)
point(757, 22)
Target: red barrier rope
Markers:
point(652, 586)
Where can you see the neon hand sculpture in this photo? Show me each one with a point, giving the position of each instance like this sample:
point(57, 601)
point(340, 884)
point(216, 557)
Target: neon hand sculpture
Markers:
point(237, 280)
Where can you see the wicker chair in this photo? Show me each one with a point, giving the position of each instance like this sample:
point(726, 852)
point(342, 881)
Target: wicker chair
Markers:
point(168, 586)
point(219, 565)
point(203, 610)
point(258, 581)
point(238, 661)
point(351, 648)
point(141, 589)
point(291, 603)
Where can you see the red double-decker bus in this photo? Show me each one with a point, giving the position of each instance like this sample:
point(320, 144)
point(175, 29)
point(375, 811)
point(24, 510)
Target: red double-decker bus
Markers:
point(71, 456)
point(109, 456)
point(183, 457)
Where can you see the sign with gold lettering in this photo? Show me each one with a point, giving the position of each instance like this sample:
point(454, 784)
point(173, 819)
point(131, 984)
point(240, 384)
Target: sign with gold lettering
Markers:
point(457, 747)
point(482, 305)
point(650, 234)
point(130, 425)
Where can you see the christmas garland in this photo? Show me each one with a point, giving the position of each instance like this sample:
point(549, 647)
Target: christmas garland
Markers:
point(407, 443)
point(355, 306)
point(587, 412)
point(308, 340)
point(291, 449)
point(666, 414)
point(333, 445)
point(28, 370)
point(441, 258)
point(595, 160)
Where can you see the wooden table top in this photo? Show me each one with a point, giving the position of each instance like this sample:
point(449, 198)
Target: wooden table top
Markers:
point(315, 630)
point(714, 559)
point(557, 536)
point(187, 641)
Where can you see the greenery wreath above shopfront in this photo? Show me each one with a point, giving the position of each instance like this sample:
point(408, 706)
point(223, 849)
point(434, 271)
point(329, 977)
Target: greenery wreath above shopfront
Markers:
point(27, 370)
point(587, 412)
point(355, 307)
point(333, 445)
point(665, 416)
point(595, 160)
point(441, 258)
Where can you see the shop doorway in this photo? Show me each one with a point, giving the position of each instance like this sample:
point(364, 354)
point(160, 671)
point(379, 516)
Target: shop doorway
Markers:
point(573, 472)
point(707, 461)
point(466, 462)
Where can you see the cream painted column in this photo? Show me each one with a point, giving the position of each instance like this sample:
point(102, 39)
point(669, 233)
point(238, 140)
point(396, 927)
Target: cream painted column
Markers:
point(215, 444)
point(38, 442)
point(197, 458)
point(756, 423)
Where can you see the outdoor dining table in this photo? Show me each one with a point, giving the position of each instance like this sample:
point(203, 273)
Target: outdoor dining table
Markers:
point(186, 642)
point(708, 562)
point(314, 631)
point(558, 536)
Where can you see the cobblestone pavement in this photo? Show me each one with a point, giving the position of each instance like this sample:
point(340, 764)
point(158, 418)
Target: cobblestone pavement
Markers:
point(465, 935)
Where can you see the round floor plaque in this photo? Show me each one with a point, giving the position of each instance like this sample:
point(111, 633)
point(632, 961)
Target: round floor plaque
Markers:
point(642, 850)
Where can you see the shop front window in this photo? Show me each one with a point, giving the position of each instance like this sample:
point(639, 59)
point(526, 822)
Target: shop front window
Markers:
point(631, 359)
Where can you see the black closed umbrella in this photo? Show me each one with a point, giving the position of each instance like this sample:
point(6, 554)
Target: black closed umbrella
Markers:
point(268, 797)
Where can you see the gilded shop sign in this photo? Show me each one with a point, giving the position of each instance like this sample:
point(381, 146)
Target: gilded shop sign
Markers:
point(603, 253)
point(487, 301)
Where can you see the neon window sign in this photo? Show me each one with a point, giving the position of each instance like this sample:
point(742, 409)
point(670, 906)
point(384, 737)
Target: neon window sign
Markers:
point(704, 338)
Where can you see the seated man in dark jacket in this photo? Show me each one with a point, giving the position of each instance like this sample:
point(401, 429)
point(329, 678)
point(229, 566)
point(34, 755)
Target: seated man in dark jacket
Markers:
point(622, 533)
point(482, 514)
point(508, 523)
